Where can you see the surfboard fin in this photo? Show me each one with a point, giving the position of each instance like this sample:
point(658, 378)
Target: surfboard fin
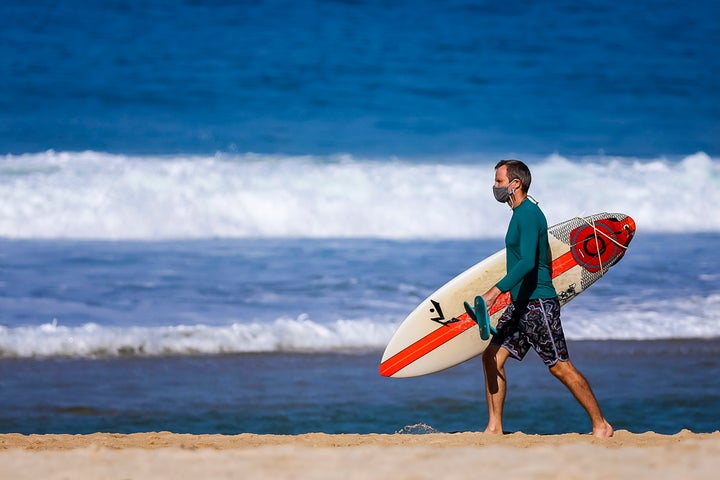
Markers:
point(479, 315)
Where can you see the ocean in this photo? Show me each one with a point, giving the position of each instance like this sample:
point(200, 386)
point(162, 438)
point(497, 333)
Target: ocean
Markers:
point(214, 215)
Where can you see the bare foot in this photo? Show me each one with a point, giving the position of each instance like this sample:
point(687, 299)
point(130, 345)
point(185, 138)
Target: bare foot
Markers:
point(494, 431)
point(605, 430)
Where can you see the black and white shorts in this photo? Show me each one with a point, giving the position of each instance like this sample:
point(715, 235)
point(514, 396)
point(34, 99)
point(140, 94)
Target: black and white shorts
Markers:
point(536, 324)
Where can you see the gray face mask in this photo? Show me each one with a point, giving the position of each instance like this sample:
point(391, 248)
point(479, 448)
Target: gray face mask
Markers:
point(502, 194)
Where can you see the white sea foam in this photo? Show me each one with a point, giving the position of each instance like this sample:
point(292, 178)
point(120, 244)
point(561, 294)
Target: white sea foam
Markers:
point(656, 319)
point(282, 335)
point(92, 195)
point(665, 319)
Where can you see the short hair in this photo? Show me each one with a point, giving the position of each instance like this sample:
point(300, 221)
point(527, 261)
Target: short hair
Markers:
point(517, 169)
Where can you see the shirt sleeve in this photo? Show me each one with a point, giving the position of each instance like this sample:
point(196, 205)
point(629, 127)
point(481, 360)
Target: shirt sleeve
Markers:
point(529, 239)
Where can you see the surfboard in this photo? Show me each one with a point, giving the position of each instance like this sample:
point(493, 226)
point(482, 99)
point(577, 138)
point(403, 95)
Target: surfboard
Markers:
point(440, 334)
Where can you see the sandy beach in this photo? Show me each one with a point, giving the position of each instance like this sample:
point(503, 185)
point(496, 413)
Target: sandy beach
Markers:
point(350, 456)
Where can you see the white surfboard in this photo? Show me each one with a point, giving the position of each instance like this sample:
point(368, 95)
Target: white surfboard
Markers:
point(439, 334)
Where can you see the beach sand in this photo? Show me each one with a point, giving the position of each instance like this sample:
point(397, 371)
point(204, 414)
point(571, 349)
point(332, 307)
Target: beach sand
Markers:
point(350, 456)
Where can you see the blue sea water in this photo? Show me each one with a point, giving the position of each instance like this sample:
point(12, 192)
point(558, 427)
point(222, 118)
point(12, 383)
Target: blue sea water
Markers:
point(213, 215)
point(371, 77)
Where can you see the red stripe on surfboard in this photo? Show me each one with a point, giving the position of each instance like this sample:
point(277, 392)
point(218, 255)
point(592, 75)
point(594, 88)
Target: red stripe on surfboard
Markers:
point(439, 336)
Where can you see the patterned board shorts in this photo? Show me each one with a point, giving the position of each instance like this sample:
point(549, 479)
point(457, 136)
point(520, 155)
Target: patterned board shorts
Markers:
point(533, 324)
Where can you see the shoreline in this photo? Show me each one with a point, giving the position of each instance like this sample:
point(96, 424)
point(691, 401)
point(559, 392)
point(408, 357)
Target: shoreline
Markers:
point(164, 439)
point(359, 456)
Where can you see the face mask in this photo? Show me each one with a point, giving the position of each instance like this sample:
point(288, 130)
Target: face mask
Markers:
point(502, 194)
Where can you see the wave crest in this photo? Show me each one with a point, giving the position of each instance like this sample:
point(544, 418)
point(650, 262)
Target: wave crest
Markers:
point(282, 335)
point(91, 195)
point(657, 320)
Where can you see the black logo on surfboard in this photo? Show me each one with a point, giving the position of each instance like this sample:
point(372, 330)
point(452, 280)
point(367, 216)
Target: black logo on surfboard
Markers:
point(568, 294)
point(440, 318)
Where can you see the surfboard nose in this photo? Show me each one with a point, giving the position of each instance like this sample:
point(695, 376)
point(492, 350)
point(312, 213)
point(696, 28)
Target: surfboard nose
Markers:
point(628, 225)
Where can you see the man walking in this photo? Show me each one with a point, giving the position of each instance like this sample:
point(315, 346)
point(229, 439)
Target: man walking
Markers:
point(533, 317)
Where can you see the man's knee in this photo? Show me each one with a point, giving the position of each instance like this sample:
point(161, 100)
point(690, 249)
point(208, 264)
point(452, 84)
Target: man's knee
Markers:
point(563, 369)
point(494, 357)
point(489, 356)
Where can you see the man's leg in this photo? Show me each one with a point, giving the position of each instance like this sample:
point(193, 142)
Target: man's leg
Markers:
point(580, 388)
point(494, 358)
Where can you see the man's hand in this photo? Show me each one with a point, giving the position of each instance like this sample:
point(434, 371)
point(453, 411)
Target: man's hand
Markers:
point(491, 296)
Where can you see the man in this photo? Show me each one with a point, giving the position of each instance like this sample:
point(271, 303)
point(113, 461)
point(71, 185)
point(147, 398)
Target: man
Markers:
point(533, 318)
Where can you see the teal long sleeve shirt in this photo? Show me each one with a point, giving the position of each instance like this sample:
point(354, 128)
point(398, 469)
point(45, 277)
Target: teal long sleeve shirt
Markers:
point(527, 255)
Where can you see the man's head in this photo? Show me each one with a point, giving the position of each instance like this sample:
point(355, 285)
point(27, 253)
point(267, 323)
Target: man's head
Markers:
point(514, 170)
